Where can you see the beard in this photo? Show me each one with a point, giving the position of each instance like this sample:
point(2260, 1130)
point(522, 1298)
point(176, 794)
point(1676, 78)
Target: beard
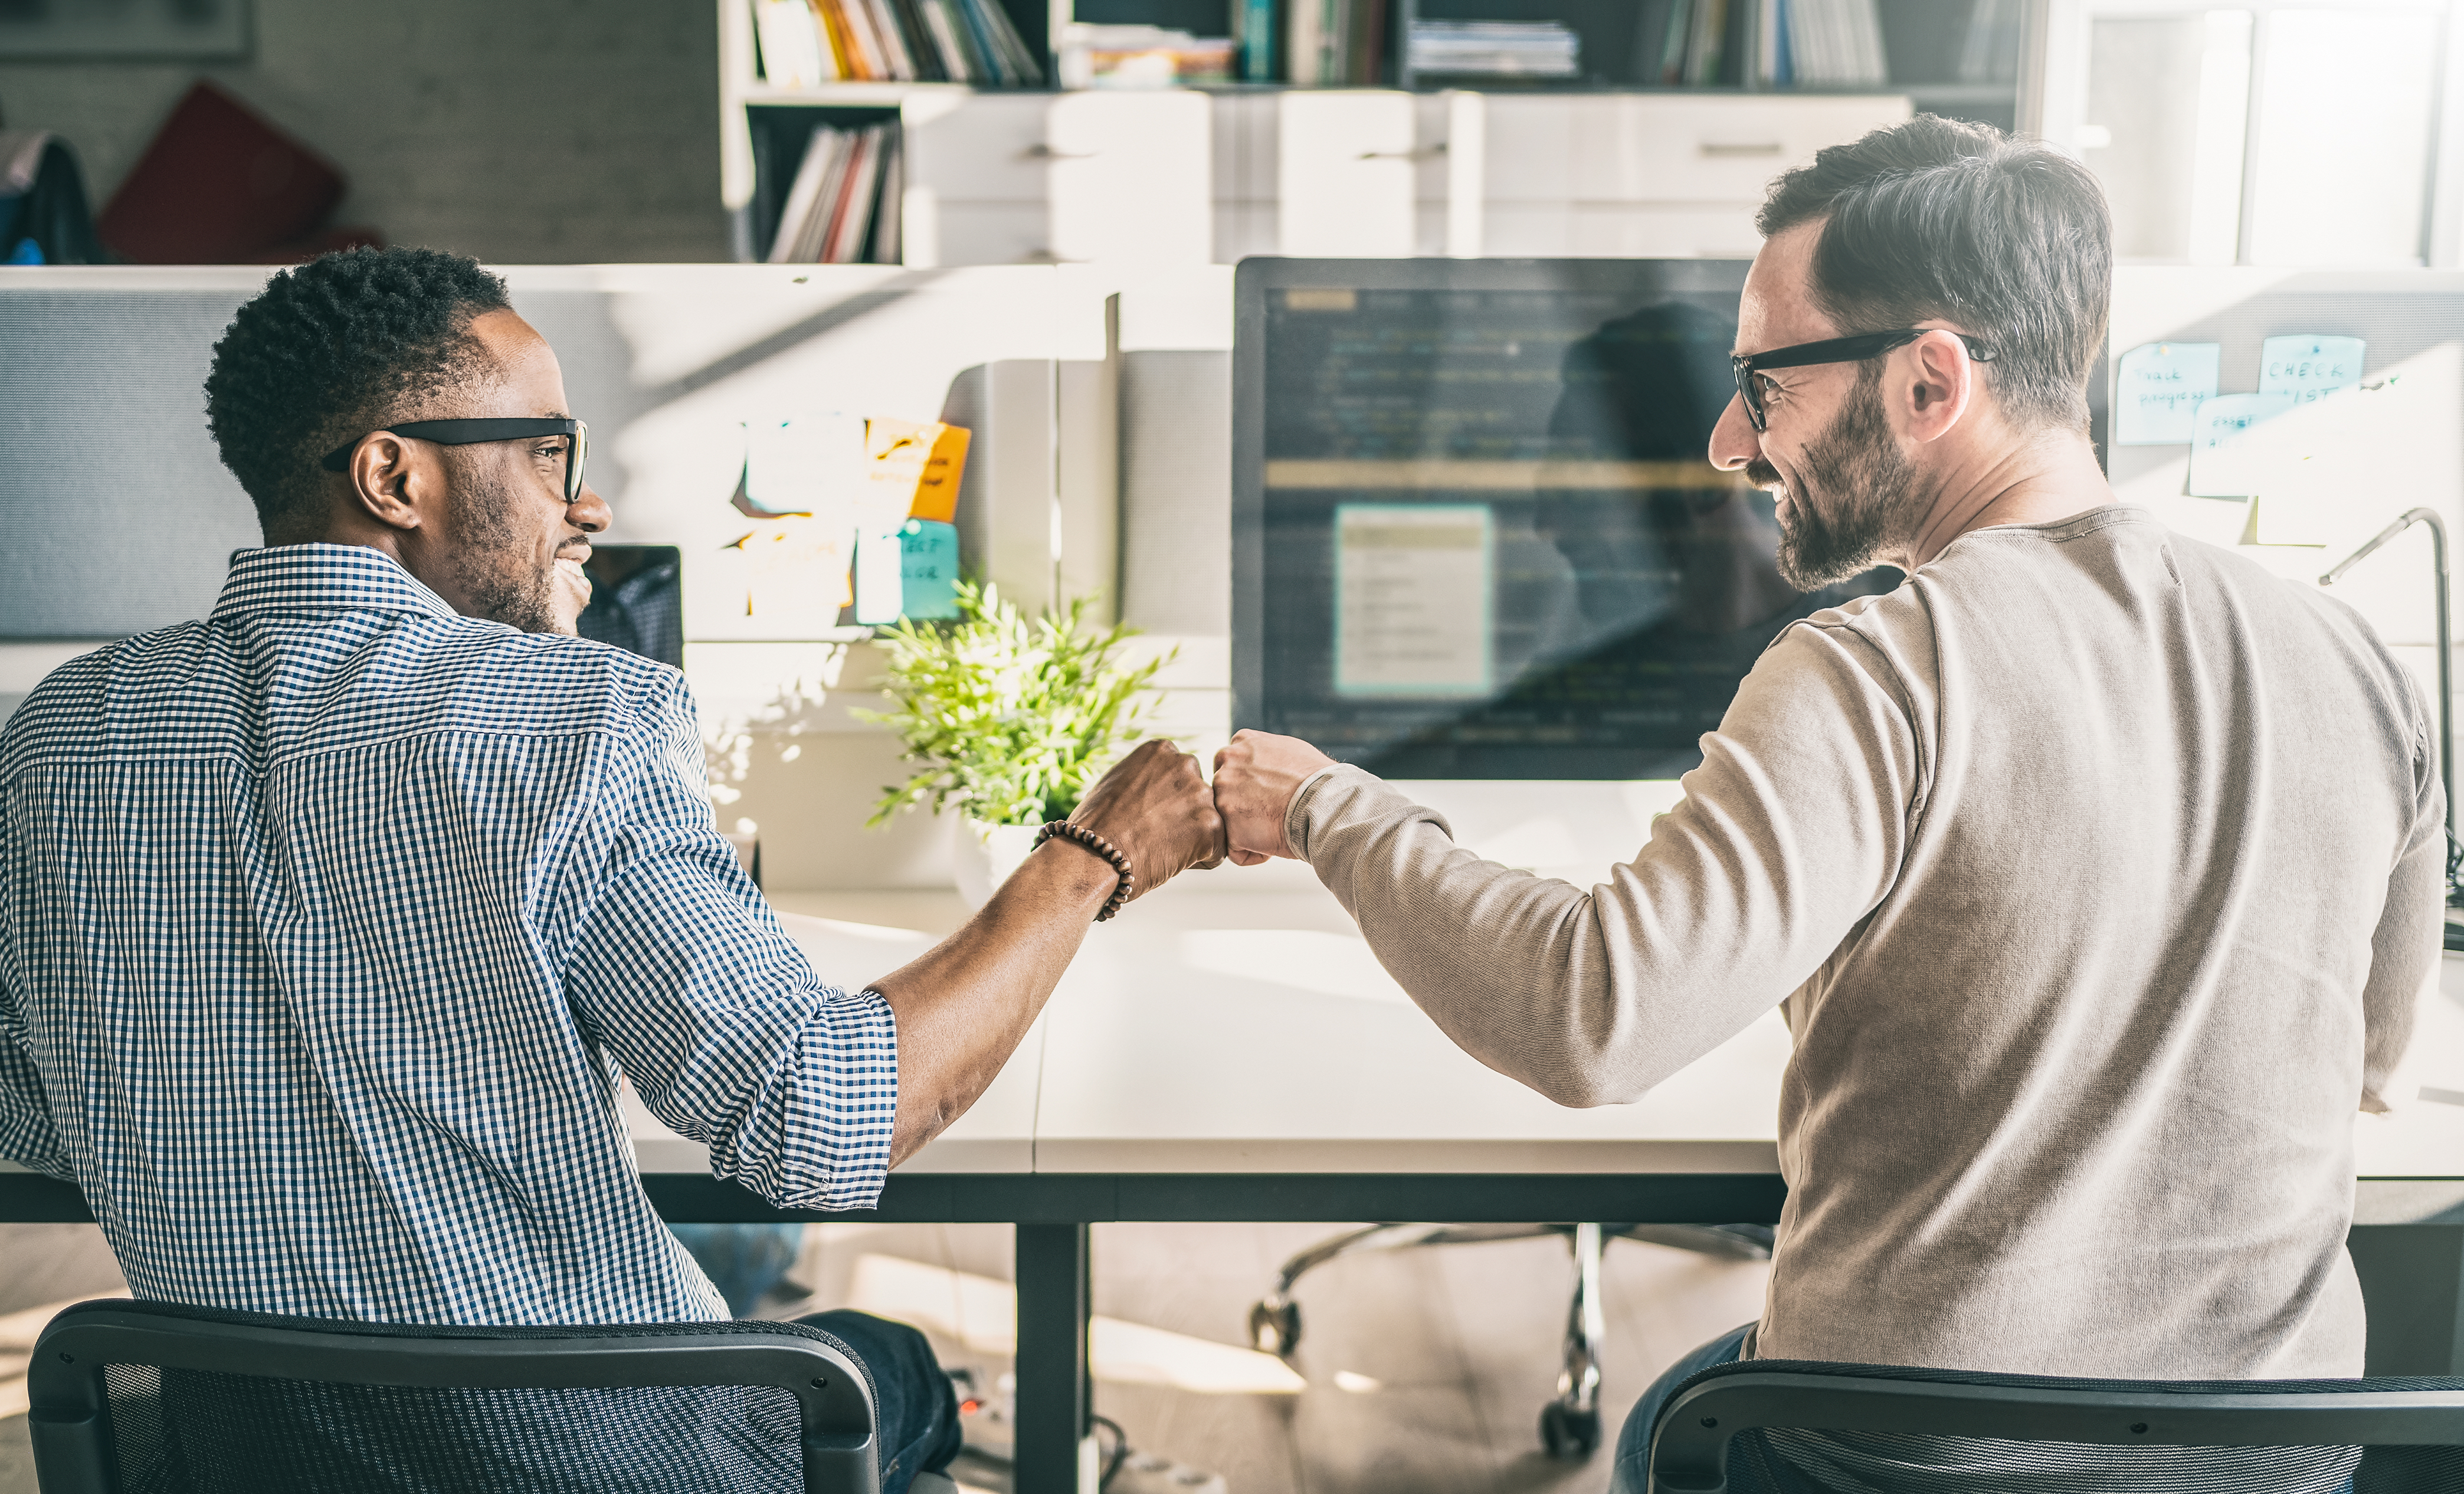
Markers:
point(494, 565)
point(1854, 485)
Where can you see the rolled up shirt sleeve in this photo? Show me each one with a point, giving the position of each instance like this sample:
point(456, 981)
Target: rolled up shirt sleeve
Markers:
point(28, 1136)
point(1788, 834)
point(683, 974)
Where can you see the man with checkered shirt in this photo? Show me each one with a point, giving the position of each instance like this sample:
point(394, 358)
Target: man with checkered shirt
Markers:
point(328, 923)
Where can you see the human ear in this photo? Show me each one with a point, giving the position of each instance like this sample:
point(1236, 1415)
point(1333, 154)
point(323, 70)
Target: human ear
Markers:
point(391, 480)
point(1941, 383)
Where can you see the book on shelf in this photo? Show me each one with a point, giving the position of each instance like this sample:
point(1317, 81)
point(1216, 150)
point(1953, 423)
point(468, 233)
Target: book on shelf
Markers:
point(1494, 49)
point(1253, 32)
point(1335, 43)
point(843, 205)
point(807, 42)
point(1684, 43)
point(1827, 43)
point(1989, 51)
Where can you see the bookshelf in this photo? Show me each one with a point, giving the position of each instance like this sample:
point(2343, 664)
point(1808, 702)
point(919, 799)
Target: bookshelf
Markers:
point(1924, 42)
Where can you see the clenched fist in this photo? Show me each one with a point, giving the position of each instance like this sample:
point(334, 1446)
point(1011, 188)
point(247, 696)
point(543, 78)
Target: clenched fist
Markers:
point(1255, 780)
point(1156, 806)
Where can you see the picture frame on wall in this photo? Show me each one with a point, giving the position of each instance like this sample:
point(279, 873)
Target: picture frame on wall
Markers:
point(69, 29)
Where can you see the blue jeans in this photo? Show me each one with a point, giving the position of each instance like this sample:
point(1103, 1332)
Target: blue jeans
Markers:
point(1632, 1467)
point(744, 1261)
point(1633, 1443)
point(916, 1410)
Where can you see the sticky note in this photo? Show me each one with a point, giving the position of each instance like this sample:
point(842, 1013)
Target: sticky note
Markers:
point(2222, 463)
point(804, 464)
point(945, 463)
point(880, 568)
point(796, 574)
point(2159, 389)
point(912, 470)
point(929, 569)
point(2309, 367)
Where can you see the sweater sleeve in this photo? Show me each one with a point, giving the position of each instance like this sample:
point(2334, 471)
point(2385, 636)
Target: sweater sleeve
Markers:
point(1788, 834)
point(2404, 947)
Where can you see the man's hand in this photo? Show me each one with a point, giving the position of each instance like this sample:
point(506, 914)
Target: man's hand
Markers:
point(1255, 780)
point(1154, 805)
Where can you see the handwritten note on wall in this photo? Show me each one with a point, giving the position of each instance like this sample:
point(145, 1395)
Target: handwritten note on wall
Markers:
point(2309, 367)
point(2223, 464)
point(2161, 388)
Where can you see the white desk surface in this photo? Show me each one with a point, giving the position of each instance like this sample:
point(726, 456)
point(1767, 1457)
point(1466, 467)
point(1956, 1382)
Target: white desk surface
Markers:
point(1243, 1027)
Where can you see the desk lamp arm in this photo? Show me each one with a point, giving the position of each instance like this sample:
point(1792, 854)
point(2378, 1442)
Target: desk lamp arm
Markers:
point(2446, 656)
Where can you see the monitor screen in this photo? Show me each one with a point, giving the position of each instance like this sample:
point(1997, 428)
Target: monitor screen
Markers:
point(1476, 529)
point(636, 600)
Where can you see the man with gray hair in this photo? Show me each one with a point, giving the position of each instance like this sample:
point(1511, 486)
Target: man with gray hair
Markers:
point(2095, 870)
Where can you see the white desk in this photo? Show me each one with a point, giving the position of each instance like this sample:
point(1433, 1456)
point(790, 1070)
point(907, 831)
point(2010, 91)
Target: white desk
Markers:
point(1214, 1029)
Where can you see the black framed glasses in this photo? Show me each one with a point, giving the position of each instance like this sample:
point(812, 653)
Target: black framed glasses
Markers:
point(1836, 350)
point(471, 432)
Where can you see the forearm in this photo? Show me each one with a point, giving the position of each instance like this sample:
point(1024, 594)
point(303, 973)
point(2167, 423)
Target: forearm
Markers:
point(1509, 965)
point(1788, 835)
point(965, 1005)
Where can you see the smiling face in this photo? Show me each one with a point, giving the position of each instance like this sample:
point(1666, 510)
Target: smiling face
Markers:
point(1828, 454)
point(505, 544)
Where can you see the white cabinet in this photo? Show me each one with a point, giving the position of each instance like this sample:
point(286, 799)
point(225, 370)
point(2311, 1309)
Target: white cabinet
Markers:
point(1186, 177)
point(1058, 178)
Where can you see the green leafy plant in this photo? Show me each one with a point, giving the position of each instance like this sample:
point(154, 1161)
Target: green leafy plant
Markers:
point(1010, 719)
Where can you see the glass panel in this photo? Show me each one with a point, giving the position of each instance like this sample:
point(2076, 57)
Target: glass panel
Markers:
point(2342, 136)
point(2166, 99)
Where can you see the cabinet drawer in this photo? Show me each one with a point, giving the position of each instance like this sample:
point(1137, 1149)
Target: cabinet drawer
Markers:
point(1592, 231)
point(939, 234)
point(1627, 232)
point(1633, 148)
point(979, 148)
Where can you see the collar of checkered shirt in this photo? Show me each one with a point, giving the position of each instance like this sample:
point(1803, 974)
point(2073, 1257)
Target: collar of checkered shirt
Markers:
point(323, 578)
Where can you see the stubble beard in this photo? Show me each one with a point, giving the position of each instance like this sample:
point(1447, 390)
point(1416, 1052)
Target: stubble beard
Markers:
point(1853, 486)
point(493, 567)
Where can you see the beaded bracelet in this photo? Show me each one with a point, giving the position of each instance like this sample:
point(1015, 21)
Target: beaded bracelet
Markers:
point(1103, 848)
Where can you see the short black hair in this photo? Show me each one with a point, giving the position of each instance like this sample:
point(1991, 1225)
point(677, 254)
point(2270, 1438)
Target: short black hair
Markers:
point(330, 351)
point(1940, 218)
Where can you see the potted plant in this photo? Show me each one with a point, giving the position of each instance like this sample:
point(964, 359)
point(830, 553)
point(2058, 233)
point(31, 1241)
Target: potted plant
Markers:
point(1008, 720)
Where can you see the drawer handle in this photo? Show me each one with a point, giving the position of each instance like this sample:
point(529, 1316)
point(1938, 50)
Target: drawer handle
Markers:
point(1044, 152)
point(1759, 148)
point(1424, 153)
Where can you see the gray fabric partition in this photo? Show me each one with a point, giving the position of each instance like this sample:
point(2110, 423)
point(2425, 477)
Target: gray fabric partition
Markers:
point(115, 515)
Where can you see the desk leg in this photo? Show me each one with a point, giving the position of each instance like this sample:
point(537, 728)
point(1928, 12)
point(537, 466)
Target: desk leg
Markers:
point(1055, 1389)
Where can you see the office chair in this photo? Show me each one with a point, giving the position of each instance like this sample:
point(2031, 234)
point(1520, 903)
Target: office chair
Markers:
point(1949, 1432)
point(1570, 1425)
point(150, 1397)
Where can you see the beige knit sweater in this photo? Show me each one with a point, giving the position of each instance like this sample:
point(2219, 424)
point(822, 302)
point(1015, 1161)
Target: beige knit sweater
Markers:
point(2098, 871)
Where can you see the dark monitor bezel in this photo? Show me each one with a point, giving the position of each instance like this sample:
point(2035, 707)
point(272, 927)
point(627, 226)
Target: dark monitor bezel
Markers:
point(1252, 280)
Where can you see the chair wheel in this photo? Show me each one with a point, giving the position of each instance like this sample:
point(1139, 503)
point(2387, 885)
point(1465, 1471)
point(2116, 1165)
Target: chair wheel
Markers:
point(1275, 1329)
point(1570, 1436)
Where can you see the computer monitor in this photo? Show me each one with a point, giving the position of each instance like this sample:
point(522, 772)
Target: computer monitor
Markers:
point(1476, 531)
point(636, 600)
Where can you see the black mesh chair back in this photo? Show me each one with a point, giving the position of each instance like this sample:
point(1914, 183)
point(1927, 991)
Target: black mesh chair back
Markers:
point(135, 1397)
point(1768, 1426)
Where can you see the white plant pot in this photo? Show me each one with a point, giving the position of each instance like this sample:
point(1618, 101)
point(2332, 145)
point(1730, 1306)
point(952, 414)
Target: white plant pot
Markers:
point(982, 856)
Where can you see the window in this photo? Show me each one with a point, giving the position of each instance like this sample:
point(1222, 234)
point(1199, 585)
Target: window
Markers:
point(2265, 134)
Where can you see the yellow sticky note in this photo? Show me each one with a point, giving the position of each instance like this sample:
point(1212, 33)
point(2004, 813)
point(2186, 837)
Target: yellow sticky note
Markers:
point(913, 469)
point(796, 572)
point(945, 462)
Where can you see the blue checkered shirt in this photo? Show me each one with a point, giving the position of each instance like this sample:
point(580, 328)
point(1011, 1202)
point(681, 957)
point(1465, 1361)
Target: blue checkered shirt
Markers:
point(326, 925)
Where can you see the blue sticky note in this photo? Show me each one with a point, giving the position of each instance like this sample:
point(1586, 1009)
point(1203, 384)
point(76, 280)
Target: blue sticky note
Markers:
point(2160, 388)
point(929, 568)
point(2308, 368)
point(2219, 468)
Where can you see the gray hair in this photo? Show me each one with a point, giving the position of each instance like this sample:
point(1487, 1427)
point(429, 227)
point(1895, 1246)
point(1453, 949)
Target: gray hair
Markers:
point(2007, 238)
